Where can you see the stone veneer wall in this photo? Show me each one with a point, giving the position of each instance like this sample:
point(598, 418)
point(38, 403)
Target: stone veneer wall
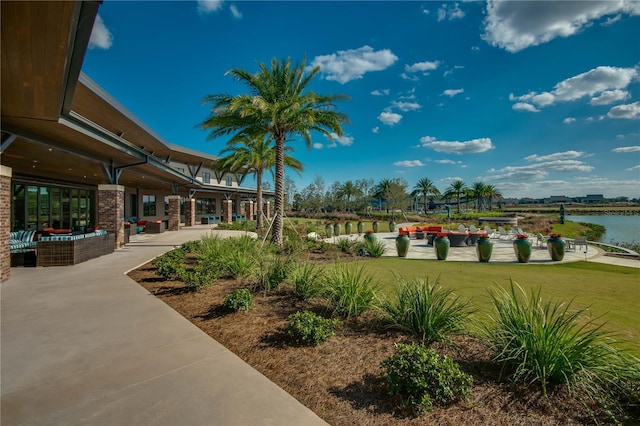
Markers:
point(190, 212)
point(250, 211)
point(227, 213)
point(267, 209)
point(5, 222)
point(111, 211)
point(174, 213)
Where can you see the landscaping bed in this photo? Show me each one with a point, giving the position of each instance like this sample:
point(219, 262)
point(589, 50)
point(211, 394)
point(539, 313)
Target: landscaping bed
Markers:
point(341, 379)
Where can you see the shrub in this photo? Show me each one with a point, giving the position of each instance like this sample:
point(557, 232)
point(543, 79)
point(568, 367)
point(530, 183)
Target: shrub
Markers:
point(239, 300)
point(200, 277)
point(346, 245)
point(306, 281)
point(170, 265)
point(422, 378)
point(274, 270)
point(427, 310)
point(190, 246)
point(548, 345)
point(307, 327)
point(371, 248)
point(349, 290)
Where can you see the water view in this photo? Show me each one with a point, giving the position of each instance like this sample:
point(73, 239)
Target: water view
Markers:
point(618, 228)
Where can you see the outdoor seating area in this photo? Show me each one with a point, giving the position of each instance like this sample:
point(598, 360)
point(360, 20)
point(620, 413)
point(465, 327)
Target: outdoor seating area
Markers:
point(209, 219)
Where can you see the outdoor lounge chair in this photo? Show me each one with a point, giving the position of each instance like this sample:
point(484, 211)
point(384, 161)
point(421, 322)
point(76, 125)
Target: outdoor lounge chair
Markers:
point(580, 241)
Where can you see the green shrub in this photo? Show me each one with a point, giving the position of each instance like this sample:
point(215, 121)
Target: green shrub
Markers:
point(306, 281)
point(427, 310)
point(307, 327)
point(373, 248)
point(190, 246)
point(349, 290)
point(274, 270)
point(346, 245)
point(201, 276)
point(170, 265)
point(422, 378)
point(239, 300)
point(546, 344)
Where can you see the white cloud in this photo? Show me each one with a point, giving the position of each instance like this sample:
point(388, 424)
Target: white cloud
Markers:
point(473, 146)
point(406, 106)
point(208, 6)
point(235, 12)
point(422, 66)
point(628, 111)
point(389, 118)
point(409, 163)
point(610, 96)
point(347, 65)
point(447, 161)
point(475, 48)
point(569, 120)
point(555, 156)
point(406, 76)
point(452, 92)
point(383, 92)
point(450, 12)
point(604, 80)
point(318, 145)
point(101, 37)
point(523, 106)
point(375, 129)
point(611, 21)
point(630, 169)
point(516, 25)
point(343, 140)
point(626, 149)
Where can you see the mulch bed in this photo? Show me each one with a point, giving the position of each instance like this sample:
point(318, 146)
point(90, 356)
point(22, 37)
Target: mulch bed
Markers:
point(341, 380)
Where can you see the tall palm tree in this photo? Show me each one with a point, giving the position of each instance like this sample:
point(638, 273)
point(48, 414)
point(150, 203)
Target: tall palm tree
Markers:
point(492, 192)
point(457, 187)
point(254, 155)
point(425, 187)
point(479, 190)
point(349, 190)
point(381, 189)
point(278, 105)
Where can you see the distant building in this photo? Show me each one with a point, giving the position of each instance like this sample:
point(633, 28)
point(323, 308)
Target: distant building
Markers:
point(555, 199)
point(593, 198)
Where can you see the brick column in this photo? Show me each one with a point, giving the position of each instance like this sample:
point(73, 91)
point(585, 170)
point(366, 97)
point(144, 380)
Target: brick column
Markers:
point(5, 222)
point(227, 211)
point(174, 212)
point(238, 205)
point(267, 209)
point(189, 212)
point(111, 211)
point(250, 211)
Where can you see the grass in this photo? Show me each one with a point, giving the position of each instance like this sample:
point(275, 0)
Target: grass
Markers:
point(606, 290)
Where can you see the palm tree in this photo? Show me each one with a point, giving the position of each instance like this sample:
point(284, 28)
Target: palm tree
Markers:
point(479, 190)
point(279, 106)
point(457, 187)
point(254, 155)
point(425, 187)
point(492, 192)
point(348, 190)
point(381, 189)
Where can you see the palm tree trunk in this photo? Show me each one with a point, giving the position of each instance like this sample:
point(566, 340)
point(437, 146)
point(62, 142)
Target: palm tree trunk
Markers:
point(425, 203)
point(276, 236)
point(259, 224)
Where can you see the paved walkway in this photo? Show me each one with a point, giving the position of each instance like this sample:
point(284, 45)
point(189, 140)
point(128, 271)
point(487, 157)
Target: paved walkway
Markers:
point(86, 345)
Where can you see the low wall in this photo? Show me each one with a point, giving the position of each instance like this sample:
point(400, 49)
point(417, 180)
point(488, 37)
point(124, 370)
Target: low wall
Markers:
point(64, 253)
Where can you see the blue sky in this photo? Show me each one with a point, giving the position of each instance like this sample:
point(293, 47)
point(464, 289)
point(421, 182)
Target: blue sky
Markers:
point(537, 98)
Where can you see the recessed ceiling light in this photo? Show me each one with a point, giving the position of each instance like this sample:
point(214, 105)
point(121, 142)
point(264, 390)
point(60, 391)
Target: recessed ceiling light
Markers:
point(50, 149)
point(69, 168)
point(35, 161)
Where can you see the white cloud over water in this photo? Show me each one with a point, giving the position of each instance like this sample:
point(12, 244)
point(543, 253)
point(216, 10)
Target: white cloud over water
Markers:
point(347, 65)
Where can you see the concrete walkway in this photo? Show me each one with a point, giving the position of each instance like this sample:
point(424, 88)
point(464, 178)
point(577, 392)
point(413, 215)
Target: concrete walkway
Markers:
point(86, 345)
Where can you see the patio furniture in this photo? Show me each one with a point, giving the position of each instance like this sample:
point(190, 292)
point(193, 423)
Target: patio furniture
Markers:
point(156, 227)
point(64, 250)
point(458, 239)
point(209, 219)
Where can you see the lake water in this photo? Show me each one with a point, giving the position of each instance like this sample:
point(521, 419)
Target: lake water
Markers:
point(618, 228)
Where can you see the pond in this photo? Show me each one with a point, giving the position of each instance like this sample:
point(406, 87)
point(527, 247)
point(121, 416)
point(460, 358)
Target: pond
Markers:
point(618, 228)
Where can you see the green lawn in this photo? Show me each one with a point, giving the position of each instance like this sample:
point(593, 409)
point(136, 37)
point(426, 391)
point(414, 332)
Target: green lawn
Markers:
point(608, 291)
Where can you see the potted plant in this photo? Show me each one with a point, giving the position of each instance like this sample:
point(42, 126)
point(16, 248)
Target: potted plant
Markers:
point(392, 226)
point(556, 246)
point(522, 248)
point(360, 227)
point(375, 226)
point(369, 235)
point(441, 244)
point(336, 229)
point(347, 228)
point(402, 245)
point(484, 248)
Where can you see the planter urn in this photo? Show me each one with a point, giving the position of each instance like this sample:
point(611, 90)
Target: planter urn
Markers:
point(392, 226)
point(370, 236)
point(556, 247)
point(375, 227)
point(328, 229)
point(441, 245)
point(522, 249)
point(402, 245)
point(336, 229)
point(347, 228)
point(484, 248)
point(360, 228)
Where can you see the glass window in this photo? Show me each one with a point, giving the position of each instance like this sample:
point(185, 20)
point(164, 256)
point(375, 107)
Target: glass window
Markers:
point(166, 205)
point(229, 180)
point(32, 207)
point(148, 205)
point(180, 169)
point(134, 205)
point(17, 208)
point(206, 177)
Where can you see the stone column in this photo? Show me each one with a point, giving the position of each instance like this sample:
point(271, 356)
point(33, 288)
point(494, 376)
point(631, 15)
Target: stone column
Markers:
point(219, 209)
point(227, 211)
point(174, 212)
point(249, 207)
point(189, 212)
point(111, 211)
point(5, 222)
point(267, 209)
point(238, 205)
